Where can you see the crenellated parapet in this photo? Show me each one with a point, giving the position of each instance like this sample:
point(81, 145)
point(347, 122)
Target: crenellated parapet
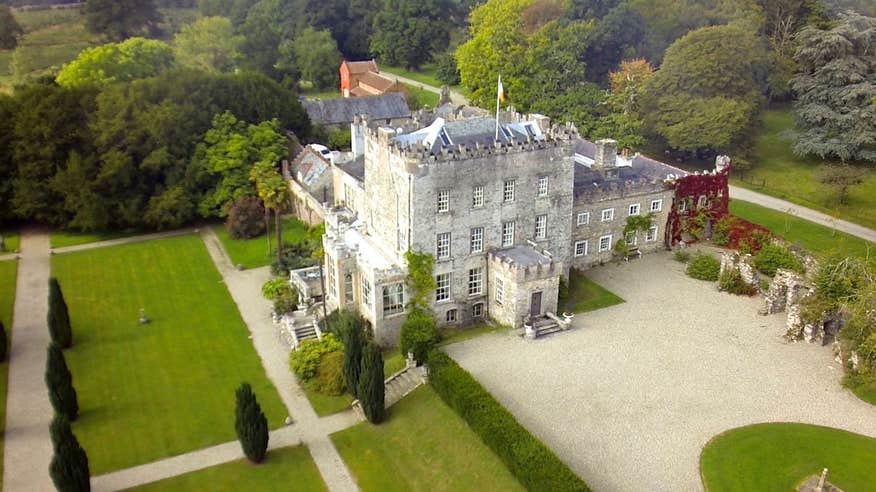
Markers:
point(616, 189)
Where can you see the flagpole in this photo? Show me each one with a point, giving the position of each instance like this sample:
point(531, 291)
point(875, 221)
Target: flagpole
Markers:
point(498, 95)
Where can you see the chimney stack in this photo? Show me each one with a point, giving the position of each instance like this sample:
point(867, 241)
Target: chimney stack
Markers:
point(606, 154)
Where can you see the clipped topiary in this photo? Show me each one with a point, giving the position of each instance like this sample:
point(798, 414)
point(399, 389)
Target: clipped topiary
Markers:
point(4, 342)
point(704, 267)
point(59, 316)
point(250, 424)
point(350, 328)
point(69, 466)
point(329, 378)
point(60, 384)
point(371, 390)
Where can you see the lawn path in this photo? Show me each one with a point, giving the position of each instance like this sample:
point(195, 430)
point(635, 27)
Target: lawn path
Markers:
point(803, 212)
point(124, 240)
point(245, 287)
point(455, 97)
point(28, 411)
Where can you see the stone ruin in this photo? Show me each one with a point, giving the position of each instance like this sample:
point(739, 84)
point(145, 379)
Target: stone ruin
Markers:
point(788, 292)
point(732, 260)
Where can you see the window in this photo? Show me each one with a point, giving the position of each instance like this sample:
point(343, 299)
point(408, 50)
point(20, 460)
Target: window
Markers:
point(508, 191)
point(477, 240)
point(701, 201)
point(443, 200)
point(608, 215)
point(604, 243)
point(656, 205)
point(366, 292)
point(542, 186)
point(508, 233)
point(541, 226)
point(442, 252)
point(475, 281)
point(348, 287)
point(631, 238)
point(682, 205)
point(478, 310)
point(580, 248)
point(500, 291)
point(330, 271)
point(477, 197)
point(583, 218)
point(651, 235)
point(450, 317)
point(393, 299)
point(348, 195)
point(634, 209)
point(442, 289)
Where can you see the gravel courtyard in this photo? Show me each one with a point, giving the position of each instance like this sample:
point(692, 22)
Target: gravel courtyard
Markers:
point(629, 397)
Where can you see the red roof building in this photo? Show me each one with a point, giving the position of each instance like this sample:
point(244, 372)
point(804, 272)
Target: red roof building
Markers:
point(363, 78)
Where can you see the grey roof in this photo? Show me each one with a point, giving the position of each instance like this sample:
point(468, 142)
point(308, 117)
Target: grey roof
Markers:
point(355, 168)
point(343, 110)
point(309, 166)
point(522, 256)
point(642, 168)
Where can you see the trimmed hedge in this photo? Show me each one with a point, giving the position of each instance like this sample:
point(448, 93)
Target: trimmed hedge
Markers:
point(704, 267)
point(534, 465)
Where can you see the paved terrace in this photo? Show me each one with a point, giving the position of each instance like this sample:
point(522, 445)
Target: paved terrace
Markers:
point(630, 396)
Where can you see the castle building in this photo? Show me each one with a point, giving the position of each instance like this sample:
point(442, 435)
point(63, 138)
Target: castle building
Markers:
point(506, 210)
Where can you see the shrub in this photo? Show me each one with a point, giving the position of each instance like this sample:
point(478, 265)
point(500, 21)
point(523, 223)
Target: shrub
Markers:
point(704, 267)
point(419, 335)
point(246, 218)
point(295, 255)
point(721, 234)
point(371, 389)
point(339, 139)
point(285, 297)
point(250, 424)
point(305, 360)
point(60, 384)
point(69, 466)
point(329, 378)
point(531, 462)
point(59, 317)
point(773, 256)
point(731, 281)
point(681, 255)
point(4, 342)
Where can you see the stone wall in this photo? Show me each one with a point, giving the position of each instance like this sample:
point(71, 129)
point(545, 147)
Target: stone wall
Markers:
point(731, 260)
point(518, 286)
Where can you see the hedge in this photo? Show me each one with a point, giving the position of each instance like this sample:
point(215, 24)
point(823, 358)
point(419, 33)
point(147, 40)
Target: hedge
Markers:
point(534, 465)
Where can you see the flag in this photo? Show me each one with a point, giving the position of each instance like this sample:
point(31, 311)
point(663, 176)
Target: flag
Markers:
point(501, 90)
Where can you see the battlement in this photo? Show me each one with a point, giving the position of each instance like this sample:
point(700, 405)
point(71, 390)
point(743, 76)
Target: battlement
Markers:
point(612, 190)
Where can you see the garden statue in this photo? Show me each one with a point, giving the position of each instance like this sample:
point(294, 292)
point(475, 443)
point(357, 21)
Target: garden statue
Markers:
point(143, 319)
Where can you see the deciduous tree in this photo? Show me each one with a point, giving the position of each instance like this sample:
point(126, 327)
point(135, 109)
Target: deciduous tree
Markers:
point(409, 32)
point(10, 29)
point(120, 19)
point(841, 177)
point(134, 58)
point(316, 56)
point(208, 44)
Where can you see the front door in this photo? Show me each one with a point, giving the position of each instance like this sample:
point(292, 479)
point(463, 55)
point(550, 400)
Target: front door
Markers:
point(535, 304)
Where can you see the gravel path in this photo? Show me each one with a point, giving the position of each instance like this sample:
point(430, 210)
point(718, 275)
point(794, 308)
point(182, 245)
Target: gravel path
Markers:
point(123, 240)
point(631, 395)
point(803, 212)
point(28, 449)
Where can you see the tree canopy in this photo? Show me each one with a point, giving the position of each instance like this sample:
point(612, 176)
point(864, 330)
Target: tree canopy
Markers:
point(134, 58)
point(316, 56)
point(209, 43)
point(409, 32)
point(10, 29)
point(120, 19)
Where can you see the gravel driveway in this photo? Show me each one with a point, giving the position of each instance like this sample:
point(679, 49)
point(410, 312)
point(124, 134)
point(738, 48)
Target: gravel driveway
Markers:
point(631, 395)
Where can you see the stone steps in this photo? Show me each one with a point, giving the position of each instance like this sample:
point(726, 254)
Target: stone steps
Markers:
point(400, 384)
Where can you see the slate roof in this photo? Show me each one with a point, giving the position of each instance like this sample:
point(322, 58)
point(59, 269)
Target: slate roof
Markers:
point(343, 110)
point(468, 131)
point(640, 167)
point(355, 168)
point(308, 167)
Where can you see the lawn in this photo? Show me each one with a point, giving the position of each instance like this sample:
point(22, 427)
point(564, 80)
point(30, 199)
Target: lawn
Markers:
point(253, 253)
point(12, 241)
point(7, 298)
point(780, 456)
point(815, 238)
point(165, 388)
point(428, 74)
point(421, 97)
point(283, 469)
point(586, 295)
point(423, 446)
point(454, 334)
point(778, 172)
point(62, 239)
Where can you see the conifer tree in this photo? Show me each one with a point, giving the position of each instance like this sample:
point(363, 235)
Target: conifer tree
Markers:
point(59, 316)
point(60, 384)
point(371, 390)
point(4, 342)
point(250, 424)
point(351, 337)
point(69, 466)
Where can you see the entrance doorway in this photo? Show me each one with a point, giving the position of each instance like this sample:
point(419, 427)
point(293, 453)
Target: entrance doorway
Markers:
point(535, 304)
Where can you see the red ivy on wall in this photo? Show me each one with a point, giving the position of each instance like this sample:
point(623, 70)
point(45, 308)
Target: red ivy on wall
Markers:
point(688, 190)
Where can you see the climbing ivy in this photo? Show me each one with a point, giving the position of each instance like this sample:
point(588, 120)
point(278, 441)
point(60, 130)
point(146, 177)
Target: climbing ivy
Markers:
point(420, 281)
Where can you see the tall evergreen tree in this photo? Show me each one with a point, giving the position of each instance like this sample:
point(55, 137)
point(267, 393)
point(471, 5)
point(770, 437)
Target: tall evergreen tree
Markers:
point(4, 342)
point(251, 424)
point(60, 384)
point(10, 29)
point(350, 331)
point(371, 390)
point(59, 316)
point(69, 466)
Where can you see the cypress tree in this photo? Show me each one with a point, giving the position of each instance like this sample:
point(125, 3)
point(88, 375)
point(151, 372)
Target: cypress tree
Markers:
point(4, 342)
point(59, 316)
point(69, 466)
point(60, 384)
point(251, 424)
point(351, 336)
point(371, 390)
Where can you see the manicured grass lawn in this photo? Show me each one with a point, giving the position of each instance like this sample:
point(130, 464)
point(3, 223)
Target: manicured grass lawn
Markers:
point(428, 74)
point(283, 469)
point(7, 299)
point(253, 253)
point(12, 240)
point(454, 335)
point(423, 446)
point(808, 235)
point(422, 97)
point(795, 179)
point(866, 392)
point(62, 239)
point(165, 388)
point(780, 456)
point(586, 295)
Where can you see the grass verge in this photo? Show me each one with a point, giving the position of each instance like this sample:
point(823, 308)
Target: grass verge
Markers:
point(586, 295)
point(165, 388)
point(12, 241)
point(421, 98)
point(283, 469)
point(780, 456)
point(63, 239)
point(815, 238)
point(455, 335)
point(253, 253)
point(8, 270)
point(428, 74)
point(422, 446)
